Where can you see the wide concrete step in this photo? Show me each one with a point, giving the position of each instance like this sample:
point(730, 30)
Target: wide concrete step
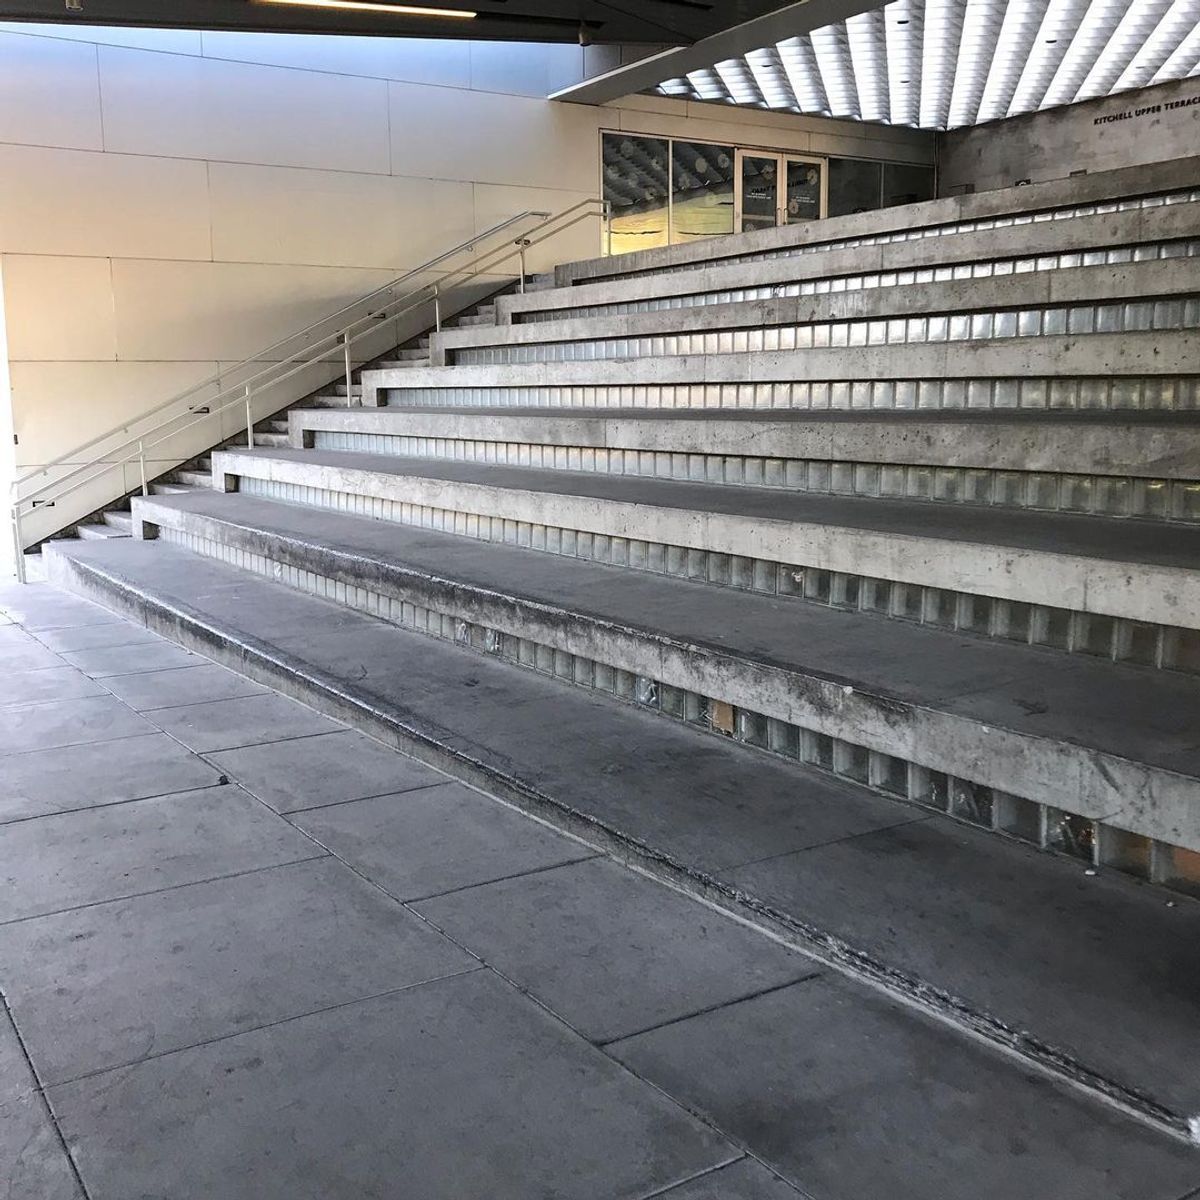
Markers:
point(1136, 464)
point(172, 489)
point(1144, 369)
point(120, 521)
point(100, 532)
point(203, 478)
point(1083, 301)
point(271, 437)
point(904, 897)
point(1140, 571)
point(1019, 726)
point(1098, 240)
point(1160, 187)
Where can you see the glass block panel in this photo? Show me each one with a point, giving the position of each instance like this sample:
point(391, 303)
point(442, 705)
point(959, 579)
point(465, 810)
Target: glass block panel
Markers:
point(1124, 851)
point(751, 728)
point(1137, 643)
point(971, 802)
point(818, 749)
point(975, 613)
point(931, 788)
point(1070, 834)
point(783, 738)
point(852, 761)
point(1051, 627)
point(889, 774)
point(1093, 634)
point(1017, 817)
point(1177, 868)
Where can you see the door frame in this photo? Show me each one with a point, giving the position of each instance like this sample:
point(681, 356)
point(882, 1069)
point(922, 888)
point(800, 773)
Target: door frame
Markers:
point(782, 158)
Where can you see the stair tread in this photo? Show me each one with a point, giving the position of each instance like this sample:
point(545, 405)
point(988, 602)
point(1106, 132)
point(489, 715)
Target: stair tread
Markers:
point(1174, 545)
point(951, 907)
point(1137, 713)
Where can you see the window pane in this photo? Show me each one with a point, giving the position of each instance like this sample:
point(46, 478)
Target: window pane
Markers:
point(903, 184)
point(854, 185)
point(702, 196)
point(760, 192)
point(635, 184)
point(803, 191)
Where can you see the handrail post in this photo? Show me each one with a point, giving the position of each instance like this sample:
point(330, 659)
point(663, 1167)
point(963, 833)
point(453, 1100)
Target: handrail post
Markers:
point(142, 465)
point(349, 372)
point(522, 243)
point(249, 421)
point(437, 309)
point(18, 544)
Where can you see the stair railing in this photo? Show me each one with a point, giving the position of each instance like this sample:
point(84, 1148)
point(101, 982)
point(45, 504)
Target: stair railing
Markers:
point(323, 343)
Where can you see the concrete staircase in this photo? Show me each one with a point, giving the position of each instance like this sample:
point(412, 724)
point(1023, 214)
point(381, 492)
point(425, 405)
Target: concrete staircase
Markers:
point(895, 518)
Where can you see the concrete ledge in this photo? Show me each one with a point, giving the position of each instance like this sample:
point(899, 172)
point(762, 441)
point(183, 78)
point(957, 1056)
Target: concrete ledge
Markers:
point(1098, 443)
point(1098, 354)
point(923, 695)
point(1138, 570)
point(1103, 231)
point(1121, 283)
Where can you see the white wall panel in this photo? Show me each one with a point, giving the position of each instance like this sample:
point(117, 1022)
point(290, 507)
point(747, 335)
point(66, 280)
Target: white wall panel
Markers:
point(80, 202)
point(49, 93)
point(287, 215)
point(59, 307)
point(488, 138)
point(187, 310)
point(184, 107)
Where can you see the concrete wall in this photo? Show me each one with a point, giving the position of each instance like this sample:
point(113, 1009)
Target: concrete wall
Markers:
point(1131, 129)
point(170, 200)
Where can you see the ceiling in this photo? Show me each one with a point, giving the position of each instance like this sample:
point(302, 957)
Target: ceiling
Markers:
point(943, 64)
point(678, 22)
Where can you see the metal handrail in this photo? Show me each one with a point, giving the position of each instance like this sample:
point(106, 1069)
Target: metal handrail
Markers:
point(344, 334)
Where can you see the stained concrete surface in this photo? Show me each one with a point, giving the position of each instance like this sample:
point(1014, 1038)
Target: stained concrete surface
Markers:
point(329, 768)
point(714, 806)
point(610, 953)
point(262, 1021)
point(178, 686)
point(224, 724)
point(855, 1099)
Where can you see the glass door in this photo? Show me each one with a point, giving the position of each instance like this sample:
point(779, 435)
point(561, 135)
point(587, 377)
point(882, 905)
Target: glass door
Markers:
point(778, 189)
point(759, 198)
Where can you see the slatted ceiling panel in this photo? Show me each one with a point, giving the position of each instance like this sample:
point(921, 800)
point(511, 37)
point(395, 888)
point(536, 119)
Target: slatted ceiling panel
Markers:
point(832, 47)
point(939, 56)
point(869, 65)
point(1098, 25)
point(1140, 19)
point(977, 50)
point(1183, 61)
point(1022, 20)
point(1181, 17)
point(902, 30)
point(799, 62)
point(944, 64)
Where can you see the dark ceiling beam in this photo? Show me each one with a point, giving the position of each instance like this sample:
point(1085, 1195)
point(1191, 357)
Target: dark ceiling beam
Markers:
point(789, 21)
point(653, 22)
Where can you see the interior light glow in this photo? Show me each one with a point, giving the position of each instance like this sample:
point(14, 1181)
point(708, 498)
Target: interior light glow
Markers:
point(404, 10)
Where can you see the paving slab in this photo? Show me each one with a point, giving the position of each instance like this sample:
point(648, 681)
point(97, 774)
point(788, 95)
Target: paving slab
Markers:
point(67, 723)
point(48, 683)
point(41, 606)
point(326, 769)
point(454, 1089)
point(746, 1179)
point(422, 843)
point(245, 721)
point(852, 1097)
point(16, 1079)
point(76, 858)
point(1014, 934)
point(126, 660)
point(96, 637)
point(21, 652)
point(39, 782)
point(178, 686)
point(113, 983)
point(612, 952)
point(33, 1163)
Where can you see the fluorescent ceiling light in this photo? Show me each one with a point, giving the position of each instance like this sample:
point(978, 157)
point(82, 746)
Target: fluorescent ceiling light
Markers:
point(943, 64)
point(404, 10)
